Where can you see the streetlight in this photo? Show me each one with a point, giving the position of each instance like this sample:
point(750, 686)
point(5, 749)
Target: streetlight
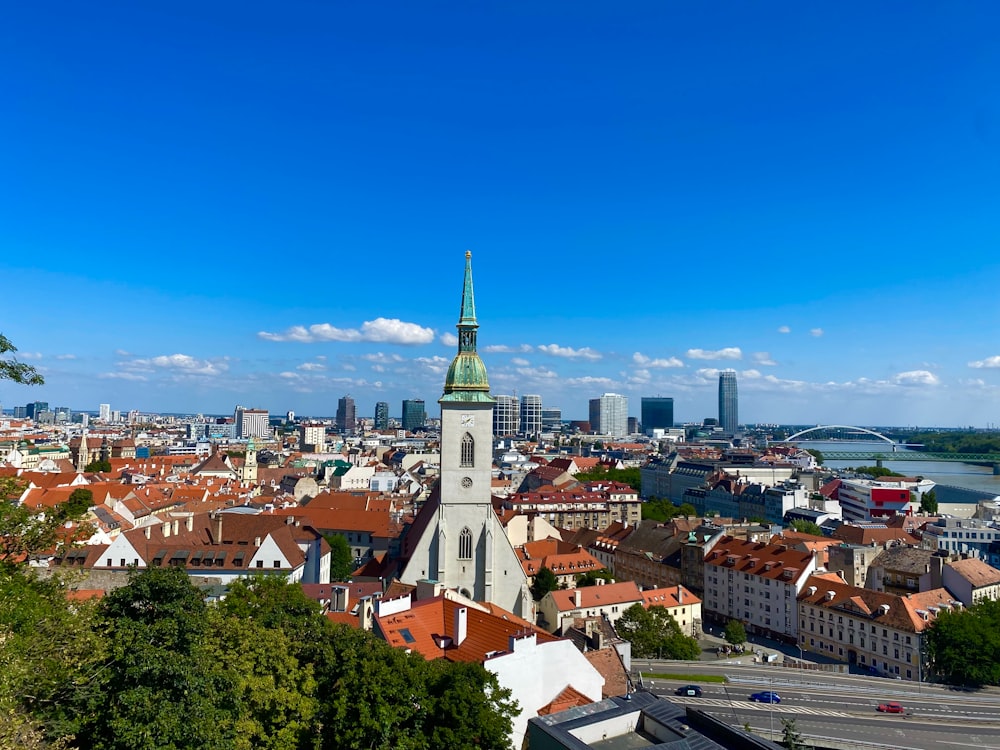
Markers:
point(802, 666)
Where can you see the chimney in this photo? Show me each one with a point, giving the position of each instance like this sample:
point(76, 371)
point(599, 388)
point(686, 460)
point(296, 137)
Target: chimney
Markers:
point(149, 532)
point(461, 624)
point(577, 599)
point(189, 523)
point(177, 525)
point(680, 594)
point(166, 529)
point(218, 528)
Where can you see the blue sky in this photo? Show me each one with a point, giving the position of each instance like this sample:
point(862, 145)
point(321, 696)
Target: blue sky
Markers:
point(205, 204)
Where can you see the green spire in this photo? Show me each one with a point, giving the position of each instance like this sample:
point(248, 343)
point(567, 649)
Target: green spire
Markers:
point(466, 379)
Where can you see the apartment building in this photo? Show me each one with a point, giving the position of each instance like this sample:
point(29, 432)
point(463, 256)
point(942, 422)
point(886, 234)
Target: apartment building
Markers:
point(872, 629)
point(757, 584)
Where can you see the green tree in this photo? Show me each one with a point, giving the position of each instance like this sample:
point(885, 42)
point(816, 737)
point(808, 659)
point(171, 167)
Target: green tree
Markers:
point(272, 602)
point(687, 510)
point(790, 736)
point(25, 533)
point(963, 647)
point(274, 702)
point(807, 527)
point(341, 559)
point(468, 708)
point(654, 633)
point(591, 577)
point(735, 633)
point(97, 466)
point(545, 581)
point(929, 503)
point(818, 455)
point(160, 688)
point(11, 369)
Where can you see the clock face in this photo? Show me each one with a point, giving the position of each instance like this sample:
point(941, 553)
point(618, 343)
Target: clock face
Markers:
point(468, 420)
point(466, 482)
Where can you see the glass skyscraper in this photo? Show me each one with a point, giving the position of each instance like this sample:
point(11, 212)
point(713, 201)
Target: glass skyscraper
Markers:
point(382, 415)
point(346, 416)
point(414, 414)
point(729, 415)
point(656, 413)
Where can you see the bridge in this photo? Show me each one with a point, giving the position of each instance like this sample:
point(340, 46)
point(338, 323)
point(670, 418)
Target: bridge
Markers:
point(892, 454)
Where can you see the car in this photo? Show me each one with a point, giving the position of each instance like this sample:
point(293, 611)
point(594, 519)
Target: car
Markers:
point(766, 696)
point(892, 707)
point(688, 690)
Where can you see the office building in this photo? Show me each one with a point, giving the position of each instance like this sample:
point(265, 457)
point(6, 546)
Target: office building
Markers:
point(382, 415)
point(729, 418)
point(656, 413)
point(251, 423)
point(552, 420)
point(609, 415)
point(414, 414)
point(506, 416)
point(35, 408)
point(104, 412)
point(531, 415)
point(346, 416)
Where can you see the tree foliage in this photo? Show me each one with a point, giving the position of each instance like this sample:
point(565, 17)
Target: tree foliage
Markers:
point(341, 559)
point(735, 633)
point(591, 577)
point(654, 633)
point(631, 477)
point(929, 502)
point(963, 647)
point(791, 738)
point(25, 532)
point(11, 369)
point(97, 466)
point(544, 582)
point(661, 510)
point(807, 527)
point(155, 666)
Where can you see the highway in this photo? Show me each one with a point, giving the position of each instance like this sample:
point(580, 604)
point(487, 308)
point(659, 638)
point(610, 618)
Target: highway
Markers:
point(838, 710)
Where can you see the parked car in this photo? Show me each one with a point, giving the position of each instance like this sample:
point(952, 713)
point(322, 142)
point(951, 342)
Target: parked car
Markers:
point(892, 707)
point(766, 696)
point(688, 690)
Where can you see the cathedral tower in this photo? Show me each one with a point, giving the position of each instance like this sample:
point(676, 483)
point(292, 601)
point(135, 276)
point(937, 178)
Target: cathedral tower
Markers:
point(461, 543)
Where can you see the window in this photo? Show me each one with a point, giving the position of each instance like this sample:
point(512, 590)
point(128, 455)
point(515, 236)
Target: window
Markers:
point(260, 563)
point(465, 544)
point(277, 563)
point(468, 451)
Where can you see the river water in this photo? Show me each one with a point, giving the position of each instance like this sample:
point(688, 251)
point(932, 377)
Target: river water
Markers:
point(952, 473)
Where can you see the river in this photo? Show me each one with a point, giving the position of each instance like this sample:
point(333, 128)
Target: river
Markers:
point(952, 473)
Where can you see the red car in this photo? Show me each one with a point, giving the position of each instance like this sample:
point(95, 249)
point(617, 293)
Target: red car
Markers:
point(891, 708)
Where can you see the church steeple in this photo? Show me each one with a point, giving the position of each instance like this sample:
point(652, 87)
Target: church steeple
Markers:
point(466, 379)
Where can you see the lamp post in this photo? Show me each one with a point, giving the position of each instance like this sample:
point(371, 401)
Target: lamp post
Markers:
point(802, 666)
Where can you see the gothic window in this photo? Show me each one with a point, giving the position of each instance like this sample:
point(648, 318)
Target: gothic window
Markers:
point(468, 448)
point(465, 544)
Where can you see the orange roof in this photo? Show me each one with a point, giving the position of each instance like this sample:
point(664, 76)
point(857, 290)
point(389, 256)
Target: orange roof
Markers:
point(670, 596)
point(623, 592)
point(428, 627)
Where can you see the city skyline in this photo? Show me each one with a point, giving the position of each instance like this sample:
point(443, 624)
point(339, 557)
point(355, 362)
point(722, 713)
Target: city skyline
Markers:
point(265, 208)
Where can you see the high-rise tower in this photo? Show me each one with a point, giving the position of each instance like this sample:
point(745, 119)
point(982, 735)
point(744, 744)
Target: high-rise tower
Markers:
point(346, 415)
point(458, 540)
point(657, 413)
point(382, 415)
point(728, 402)
point(609, 414)
point(531, 415)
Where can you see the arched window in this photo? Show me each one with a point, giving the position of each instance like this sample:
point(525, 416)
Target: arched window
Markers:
point(468, 451)
point(465, 544)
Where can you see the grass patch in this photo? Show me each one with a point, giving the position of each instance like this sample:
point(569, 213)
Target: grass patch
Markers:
point(684, 677)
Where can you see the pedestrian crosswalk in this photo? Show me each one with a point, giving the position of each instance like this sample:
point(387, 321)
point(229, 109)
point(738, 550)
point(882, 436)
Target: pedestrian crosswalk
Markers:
point(777, 708)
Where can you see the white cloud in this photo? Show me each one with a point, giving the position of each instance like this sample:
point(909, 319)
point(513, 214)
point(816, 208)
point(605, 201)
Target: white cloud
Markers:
point(642, 359)
point(179, 364)
point(784, 329)
point(730, 352)
point(122, 353)
point(65, 356)
point(380, 330)
point(437, 365)
point(916, 377)
point(520, 361)
point(30, 355)
point(311, 367)
point(537, 372)
point(504, 349)
point(816, 332)
point(448, 339)
point(590, 380)
point(989, 362)
point(382, 359)
point(123, 376)
point(763, 359)
point(569, 353)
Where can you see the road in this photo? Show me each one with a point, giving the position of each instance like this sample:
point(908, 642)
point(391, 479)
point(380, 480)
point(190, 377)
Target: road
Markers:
point(842, 707)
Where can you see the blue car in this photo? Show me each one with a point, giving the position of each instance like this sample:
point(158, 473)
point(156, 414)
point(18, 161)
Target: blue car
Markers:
point(766, 696)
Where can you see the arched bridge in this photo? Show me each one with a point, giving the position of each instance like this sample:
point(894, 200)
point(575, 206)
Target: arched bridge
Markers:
point(892, 454)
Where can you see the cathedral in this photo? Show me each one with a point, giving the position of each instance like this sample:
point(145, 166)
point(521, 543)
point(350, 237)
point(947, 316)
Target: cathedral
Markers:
point(458, 541)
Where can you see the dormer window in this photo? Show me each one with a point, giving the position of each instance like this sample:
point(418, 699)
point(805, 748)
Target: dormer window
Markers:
point(468, 451)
